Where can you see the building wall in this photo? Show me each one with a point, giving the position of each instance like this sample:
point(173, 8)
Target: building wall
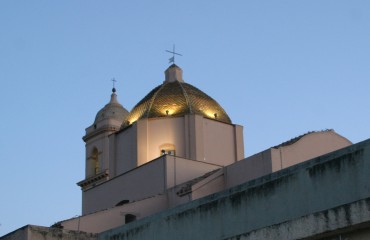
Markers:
point(274, 159)
point(170, 171)
point(219, 142)
point(192, 136)
point(248, 169)
point(129, 186)
point(324, 195)
point(308, 147)
point(114, 217)
point(212, 184)
point(181, 170)
point(125, 149)
point(164, 132)
point(148, 180)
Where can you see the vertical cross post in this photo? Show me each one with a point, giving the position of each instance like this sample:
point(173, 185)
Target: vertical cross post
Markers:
point(172, 59)
point(114, 81)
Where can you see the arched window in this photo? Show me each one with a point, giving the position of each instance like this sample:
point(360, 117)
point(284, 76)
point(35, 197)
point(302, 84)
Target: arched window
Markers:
point(95, 165)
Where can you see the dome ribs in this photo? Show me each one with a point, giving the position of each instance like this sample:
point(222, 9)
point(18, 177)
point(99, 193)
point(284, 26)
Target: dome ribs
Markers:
point(187, 98)
point(176, 99)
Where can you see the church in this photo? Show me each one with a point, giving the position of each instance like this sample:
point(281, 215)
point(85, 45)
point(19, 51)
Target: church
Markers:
point(174, 168)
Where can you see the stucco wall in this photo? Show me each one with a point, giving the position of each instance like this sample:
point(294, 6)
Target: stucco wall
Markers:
point(180, 170)
point(309, 146)
point(274, 159)
point(148, 180)
point(192, 136)
point(248, 169)
point(219, 142)
point(212, 184)
point(165, 131)
point(131, 186)
point(114, 217)
point(125, 150)
point(315, 186)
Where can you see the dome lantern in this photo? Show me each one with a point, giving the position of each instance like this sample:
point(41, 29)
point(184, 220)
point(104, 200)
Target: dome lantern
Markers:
point(173, 73)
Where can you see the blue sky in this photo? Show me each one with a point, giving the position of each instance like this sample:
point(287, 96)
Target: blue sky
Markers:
point(279, 68)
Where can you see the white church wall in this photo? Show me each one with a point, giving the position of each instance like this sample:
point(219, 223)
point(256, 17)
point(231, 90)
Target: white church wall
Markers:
point(274, 159)
point(180, 170)
point(239, 142)
point(125, 147)
point(174, 199)
point(309, 146)
point(141, 142)
point(114, 217)
point(160, 174)
point(164, 132)
point(247, 169)
point(218, 142)
point(112, 155)
point(129, 186)
point(212, 184)
point(194, 137)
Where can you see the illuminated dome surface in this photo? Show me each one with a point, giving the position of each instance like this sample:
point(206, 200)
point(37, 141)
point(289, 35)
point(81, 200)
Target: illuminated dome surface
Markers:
point(175, 98)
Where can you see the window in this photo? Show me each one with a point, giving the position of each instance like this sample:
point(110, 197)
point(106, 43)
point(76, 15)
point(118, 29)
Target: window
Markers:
point(167, 149)
point(169, 152)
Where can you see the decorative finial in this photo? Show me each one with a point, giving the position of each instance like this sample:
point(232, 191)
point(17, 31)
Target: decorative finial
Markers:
point(172, 59)
point(114, 81)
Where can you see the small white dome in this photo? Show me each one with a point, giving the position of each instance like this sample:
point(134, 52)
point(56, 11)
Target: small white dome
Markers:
point(112, 110)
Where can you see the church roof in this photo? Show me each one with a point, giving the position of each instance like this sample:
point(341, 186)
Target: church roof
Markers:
point(175, 98)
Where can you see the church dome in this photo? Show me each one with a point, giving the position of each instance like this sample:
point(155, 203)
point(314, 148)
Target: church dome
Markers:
point(112, 110)
point(175, 98)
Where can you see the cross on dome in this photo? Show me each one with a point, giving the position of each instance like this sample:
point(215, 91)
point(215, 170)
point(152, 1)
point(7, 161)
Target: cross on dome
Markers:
point(172, 59)
point(114, 81)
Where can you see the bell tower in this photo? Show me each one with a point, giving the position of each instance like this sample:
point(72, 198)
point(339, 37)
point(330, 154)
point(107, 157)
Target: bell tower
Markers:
point(107, 121)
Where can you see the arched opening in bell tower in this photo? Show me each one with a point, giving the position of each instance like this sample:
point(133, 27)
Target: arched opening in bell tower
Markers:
point(95, 165)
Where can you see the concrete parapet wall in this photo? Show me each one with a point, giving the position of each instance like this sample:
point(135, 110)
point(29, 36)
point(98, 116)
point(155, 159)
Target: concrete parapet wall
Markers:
point(347, 218)
point(31, 232)
point(309, 188)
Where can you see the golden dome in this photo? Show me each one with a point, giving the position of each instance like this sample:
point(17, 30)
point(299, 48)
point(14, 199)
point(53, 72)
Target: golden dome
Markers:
point(175, 98)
